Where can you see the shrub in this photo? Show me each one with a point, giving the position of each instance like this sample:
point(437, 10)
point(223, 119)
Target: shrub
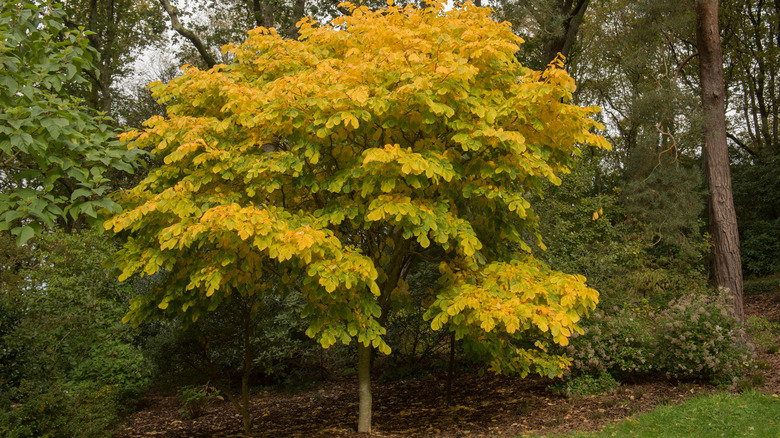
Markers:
point(620, 342)
point(63, 409)
point(763, 333)
point(195, 398)
point(212, 349)
point(701, 338)
point(585, 385)
point(69, 368)
point(762, 286)
point(694, 336)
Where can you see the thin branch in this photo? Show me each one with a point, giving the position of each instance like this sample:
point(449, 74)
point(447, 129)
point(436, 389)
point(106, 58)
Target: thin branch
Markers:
point(673, 146)
point(741, 144)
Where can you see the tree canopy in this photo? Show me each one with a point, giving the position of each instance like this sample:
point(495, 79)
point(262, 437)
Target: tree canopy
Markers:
point(327, 161)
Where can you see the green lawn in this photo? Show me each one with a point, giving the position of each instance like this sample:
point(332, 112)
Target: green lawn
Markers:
point(721, 415)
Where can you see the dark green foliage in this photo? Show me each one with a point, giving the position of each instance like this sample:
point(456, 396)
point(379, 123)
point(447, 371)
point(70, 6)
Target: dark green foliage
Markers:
point(418, 350)
point(626, 254)
point(194, 399)
point(212, 349)
point(763, 286)
point(73, 369)
point(757, 201)
point(585, 385)
point(664, 201)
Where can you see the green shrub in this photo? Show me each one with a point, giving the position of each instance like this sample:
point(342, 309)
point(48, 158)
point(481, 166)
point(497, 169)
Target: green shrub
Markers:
point(585, 384)
point(69, 367)
point(212, 349)
point(63, 410)
point(762, 286)
point(763, 333)
point(194, 399)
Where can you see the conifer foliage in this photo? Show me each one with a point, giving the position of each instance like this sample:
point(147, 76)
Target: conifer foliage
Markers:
point(326, 165)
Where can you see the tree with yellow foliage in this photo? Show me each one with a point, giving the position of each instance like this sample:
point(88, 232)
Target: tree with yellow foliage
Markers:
point(325, 166)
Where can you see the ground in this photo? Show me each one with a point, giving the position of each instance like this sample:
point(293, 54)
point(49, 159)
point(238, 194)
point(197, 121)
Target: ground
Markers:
point(486, 406)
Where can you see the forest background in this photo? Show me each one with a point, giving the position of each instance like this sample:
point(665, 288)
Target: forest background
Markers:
point(632, 219)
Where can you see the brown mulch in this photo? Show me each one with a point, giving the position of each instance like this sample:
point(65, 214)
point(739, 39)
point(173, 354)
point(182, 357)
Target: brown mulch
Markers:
point(487, 406)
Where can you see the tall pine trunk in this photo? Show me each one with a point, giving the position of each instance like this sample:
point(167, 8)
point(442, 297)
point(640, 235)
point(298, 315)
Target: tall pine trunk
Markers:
point(727, 264)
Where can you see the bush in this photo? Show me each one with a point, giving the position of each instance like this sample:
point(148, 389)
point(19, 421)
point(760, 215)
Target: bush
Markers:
point(620, 342)
point(695, 336)
point(762, 286)
point(195, 398)
point(763, 333)
point(585, 385)
point(701, 338)
point(212, 348)
point(69, 367)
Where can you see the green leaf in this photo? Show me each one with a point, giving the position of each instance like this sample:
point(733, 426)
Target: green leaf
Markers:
point(26, 233)
point(79, 193)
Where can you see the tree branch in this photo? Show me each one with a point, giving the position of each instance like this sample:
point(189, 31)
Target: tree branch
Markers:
point(186, 33)
point(741, 144)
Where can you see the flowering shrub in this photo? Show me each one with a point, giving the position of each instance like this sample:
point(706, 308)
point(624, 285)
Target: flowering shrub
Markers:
point(620, 342)
point(701, 338)
point(695, 336)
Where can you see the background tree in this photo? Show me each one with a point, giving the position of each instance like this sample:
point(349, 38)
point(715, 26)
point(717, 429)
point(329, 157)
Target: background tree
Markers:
point(54, 152)
point(751, 48)
point(633, 59)
point(727, 264)
point(751, 52)
point(550, 26)
point(117, 30)
point(208, 25)
point(380, 138)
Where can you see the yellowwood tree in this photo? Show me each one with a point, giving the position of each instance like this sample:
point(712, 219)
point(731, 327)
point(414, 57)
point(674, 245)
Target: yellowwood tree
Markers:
point(323, 166)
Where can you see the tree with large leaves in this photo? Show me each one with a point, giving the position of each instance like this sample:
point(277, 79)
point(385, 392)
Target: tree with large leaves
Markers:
point(325, 166)
point(54, 152)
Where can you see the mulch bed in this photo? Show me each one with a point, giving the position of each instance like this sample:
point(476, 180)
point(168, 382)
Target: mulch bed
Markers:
point(482, 406)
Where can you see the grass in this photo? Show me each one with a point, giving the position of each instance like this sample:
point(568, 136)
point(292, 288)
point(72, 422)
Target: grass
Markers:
point(751, 414)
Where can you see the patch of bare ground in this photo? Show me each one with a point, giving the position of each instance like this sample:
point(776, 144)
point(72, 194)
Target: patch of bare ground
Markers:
point(482, 406)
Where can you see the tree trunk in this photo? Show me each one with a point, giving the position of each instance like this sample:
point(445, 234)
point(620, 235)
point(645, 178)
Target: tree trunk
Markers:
point(247, 372)
point(450, 370)
point(727, 265)
point(573, 13)
point(364, 388)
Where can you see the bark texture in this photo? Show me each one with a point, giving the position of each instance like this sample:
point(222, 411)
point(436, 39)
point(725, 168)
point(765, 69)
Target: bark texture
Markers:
point(726, 260)
point(573, 13)
point(364, 388)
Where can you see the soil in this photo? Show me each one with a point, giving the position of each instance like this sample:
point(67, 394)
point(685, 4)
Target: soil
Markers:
point(486, 406)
